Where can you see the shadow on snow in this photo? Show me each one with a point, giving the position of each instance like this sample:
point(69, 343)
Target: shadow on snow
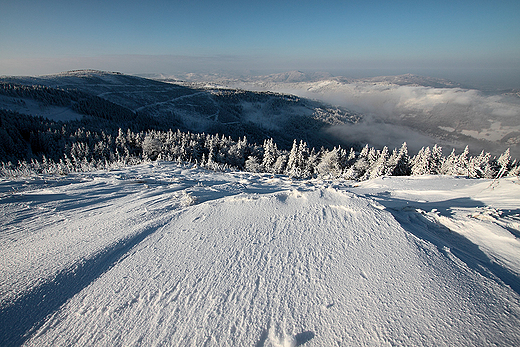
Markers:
point(416, 223)
point(21, 318)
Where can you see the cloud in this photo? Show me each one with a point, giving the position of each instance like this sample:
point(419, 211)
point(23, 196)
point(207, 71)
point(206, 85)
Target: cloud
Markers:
point(379, 134)
point(420, 115)
point(392, 101)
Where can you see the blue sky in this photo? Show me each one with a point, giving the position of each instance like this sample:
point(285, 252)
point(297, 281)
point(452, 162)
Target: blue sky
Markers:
point(443, 38)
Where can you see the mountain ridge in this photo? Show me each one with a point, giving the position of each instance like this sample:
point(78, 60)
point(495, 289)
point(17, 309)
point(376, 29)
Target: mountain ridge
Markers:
point(200, 108)
point(381, 111)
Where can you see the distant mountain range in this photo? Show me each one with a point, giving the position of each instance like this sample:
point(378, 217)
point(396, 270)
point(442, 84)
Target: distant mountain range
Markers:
point(318, 108)
point(299, 77)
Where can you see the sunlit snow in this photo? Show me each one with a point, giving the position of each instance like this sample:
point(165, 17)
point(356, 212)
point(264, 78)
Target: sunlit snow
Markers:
point(165, 254)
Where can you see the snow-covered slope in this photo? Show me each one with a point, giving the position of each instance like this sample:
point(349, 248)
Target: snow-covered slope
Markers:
point(162, 254)
point(32, 107)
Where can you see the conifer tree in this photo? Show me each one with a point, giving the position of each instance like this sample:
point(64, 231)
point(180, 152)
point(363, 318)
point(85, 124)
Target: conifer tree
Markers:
point(280, 164)
point(436, 160)
point(293, 168)
point(421, 162)
point(462, 163)
point(270, 155)
point(252, 164)
point(380, 166)
point(329, 165)
point(448, 166)
point(503, 161)
point(400, 161)
point(360, 166)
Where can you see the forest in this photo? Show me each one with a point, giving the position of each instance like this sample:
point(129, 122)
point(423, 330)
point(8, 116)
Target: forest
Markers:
point(114, 136)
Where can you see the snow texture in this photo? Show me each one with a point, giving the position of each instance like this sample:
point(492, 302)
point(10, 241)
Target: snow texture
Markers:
point(165, 254)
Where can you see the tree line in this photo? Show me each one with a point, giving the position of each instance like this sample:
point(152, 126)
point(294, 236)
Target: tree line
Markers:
point(36, 145)
point(80, 102)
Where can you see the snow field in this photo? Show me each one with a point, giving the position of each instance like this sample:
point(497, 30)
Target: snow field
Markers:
point(237, 259)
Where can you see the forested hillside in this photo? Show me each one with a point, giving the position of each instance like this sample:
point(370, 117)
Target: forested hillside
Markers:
point(188, 107)
point(239, 126)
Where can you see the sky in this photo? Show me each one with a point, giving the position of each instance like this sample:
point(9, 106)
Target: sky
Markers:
point(463, 40)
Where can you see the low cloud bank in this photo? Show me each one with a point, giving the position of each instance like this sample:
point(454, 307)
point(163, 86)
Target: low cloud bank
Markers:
point(379, 134)
point(392, 101)
point(421, 115)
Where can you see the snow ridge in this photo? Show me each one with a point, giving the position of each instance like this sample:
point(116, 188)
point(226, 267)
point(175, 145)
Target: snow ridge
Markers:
point(33, 307)
point(122, 258)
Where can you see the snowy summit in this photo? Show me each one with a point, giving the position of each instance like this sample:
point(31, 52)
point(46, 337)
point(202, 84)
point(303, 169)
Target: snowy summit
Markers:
point(169, 255)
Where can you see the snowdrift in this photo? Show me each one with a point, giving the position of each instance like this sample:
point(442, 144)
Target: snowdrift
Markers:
point(169, 255)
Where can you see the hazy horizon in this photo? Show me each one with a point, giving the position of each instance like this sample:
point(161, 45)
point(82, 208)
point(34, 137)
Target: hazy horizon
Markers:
point(475, 43)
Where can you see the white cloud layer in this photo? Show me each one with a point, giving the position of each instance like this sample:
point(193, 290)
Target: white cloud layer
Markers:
point(420, 115)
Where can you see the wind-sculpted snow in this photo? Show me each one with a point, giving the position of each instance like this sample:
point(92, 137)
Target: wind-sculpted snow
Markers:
point(170, 255)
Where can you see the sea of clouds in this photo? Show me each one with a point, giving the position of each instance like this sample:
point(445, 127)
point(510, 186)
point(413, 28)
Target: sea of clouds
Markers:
point(420, 115)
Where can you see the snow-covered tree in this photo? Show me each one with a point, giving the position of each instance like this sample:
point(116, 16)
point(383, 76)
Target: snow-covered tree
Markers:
point(270, 155)
point(312, 162)
point(152, 146)
point(421, 162)
point(515, 170)
point(380, 166)
point(505, 159)
point(480, 166)
point(280, 164)
point(253, 164)
point(504, 162)
point(462, 163)
point(237, 153)
point(449, 164)
point(329, 165)
point(296, 163)
point(361, 165)
point(399, 163)
point(436, 160)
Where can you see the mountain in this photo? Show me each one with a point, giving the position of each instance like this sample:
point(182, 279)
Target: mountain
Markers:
point(167, 254)
point(316, 108)
point(226, 79)
point(195, 107)
point(412, 80)
point(295, 76)
point(417, 109)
